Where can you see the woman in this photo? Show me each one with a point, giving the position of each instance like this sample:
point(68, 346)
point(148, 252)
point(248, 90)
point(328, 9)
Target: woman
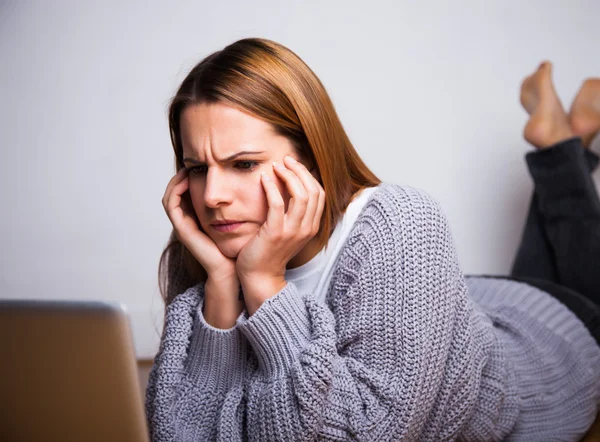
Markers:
point(307, 300)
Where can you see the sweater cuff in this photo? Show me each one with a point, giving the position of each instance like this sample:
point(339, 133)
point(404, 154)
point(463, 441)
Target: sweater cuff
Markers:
point(278, 331)
point(217, 357)
point(563, 181)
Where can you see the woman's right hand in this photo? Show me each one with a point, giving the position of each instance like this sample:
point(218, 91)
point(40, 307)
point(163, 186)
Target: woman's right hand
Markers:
point(185, 223)
point(222, 304)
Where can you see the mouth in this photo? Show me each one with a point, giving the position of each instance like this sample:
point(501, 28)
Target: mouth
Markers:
point(226, 226)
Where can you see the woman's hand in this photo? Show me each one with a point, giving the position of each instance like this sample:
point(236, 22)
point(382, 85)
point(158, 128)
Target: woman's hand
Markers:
point(187, 228)
point(262, 261)
point(222, 304)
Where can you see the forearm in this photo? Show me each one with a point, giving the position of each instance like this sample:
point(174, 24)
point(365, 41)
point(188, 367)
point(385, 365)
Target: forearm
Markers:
point(196, 383)
point(222, 303)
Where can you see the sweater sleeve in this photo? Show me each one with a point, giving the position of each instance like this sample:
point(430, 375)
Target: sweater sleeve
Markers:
point(397, 355)
point(195, 386)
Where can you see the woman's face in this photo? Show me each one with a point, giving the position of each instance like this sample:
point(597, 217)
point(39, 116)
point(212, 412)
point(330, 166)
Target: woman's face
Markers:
point(226, 151)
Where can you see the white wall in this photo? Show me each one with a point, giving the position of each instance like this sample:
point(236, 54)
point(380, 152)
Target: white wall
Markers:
point(428, 92)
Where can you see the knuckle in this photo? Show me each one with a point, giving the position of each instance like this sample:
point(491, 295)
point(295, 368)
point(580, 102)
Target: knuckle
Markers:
point(310, 188)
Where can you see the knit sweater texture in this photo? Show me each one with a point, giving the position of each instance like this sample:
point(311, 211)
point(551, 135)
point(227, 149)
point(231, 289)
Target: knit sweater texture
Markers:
point(405, 348)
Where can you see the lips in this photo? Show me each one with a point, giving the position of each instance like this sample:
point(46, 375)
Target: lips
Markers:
point(226, 225)
point(225, 221)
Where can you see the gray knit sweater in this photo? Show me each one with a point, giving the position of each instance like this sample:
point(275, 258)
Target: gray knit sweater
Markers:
point(405, 348)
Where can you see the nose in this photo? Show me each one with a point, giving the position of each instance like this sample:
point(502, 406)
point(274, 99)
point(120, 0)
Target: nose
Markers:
point(217, 191)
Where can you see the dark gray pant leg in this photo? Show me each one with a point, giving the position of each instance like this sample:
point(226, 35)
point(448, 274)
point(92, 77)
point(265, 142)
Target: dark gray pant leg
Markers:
point(561, 237)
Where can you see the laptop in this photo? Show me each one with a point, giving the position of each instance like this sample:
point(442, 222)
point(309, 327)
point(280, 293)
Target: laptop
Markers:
point(68, 372)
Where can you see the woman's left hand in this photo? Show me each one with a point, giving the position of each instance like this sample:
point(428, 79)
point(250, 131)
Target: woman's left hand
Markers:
point(262, 261)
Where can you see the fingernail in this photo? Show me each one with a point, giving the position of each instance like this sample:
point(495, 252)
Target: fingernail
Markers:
point(291, 160)
point(265, 176)
point(278, 165)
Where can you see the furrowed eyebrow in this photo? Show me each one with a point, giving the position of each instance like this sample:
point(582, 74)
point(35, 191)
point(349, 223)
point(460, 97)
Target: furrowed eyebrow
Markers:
point(229, 158)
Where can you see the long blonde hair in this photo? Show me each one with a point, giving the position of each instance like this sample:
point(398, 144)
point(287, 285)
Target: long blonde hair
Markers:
point(268, 81)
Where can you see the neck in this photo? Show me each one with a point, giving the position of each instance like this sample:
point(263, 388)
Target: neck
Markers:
point(308, 252)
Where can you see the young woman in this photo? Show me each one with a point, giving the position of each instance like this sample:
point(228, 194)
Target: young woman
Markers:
point(306, 300)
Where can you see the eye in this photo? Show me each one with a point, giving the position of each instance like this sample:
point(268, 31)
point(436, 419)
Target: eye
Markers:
point(246, 165)
point(197, 170)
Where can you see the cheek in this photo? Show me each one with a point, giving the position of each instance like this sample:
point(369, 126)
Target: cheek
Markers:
point(256, 203)
point(248, 201)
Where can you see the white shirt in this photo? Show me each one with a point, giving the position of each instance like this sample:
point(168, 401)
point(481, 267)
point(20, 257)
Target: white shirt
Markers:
point(313, 277)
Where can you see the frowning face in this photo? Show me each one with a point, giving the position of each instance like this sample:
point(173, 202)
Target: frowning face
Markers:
point(226, 150)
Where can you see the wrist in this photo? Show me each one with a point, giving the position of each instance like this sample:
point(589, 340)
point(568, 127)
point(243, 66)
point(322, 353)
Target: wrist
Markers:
point(222, 302)
point(257, 289)
point(220, 278)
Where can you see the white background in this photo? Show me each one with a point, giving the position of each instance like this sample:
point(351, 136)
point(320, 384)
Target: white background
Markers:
point(428, 92)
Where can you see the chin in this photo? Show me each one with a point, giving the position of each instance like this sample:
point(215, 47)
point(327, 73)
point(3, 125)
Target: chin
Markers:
point(231, 247)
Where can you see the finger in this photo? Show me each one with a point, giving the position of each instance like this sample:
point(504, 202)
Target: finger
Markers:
point(320, 209)
point(175, 197)
point(298, 194)
point(276, 204)
point(312, 219)
point(312, 188)
point(176, 179)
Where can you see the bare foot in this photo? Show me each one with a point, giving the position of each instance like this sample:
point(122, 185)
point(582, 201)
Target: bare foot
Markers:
point(548, 123)
point(585, 111)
